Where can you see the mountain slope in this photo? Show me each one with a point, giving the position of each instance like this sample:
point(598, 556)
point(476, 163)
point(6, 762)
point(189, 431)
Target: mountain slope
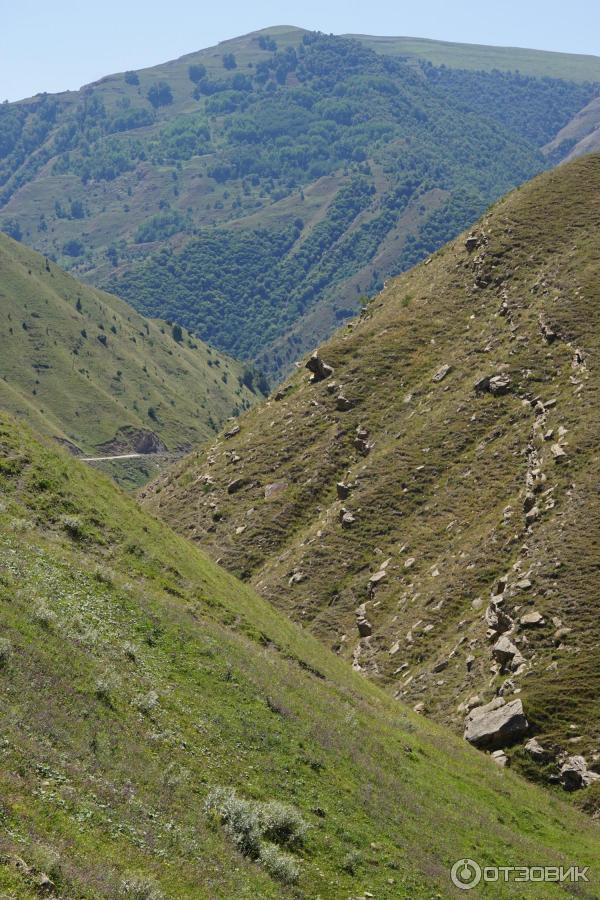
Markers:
point(258, 190)
point(482, 57)
point(162, 678)
point(84, 367)
point(449, 482)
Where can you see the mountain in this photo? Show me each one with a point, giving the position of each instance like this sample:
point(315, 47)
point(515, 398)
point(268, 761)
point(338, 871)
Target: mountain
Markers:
point(142, 686)
point(435, 498)
point(258, 191)
point(84, 367)
point(486, 58)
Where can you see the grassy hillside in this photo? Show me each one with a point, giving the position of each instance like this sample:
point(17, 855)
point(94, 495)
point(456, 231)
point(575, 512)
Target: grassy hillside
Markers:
point(448, 487)
point(536, 63)
point(258, 190)
point(81, 365)
point(137, 677)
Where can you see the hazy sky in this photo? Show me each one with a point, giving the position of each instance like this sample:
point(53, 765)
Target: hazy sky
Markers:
point(53, 45)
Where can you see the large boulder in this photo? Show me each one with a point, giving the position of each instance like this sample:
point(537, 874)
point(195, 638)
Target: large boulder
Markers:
point(496, 725)
point(320, 370)
point(574, 774)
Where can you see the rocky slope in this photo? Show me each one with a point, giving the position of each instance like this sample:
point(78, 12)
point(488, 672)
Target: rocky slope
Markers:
point(142, 685)
point(84, 367)
point(426, 502)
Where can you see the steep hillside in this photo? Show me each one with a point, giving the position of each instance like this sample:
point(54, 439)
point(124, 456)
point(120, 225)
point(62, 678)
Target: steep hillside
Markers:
point(579, 136)
point(485, 58)
point(258, 190)
point(84, 367)
point(137, 678)
point(436, 496)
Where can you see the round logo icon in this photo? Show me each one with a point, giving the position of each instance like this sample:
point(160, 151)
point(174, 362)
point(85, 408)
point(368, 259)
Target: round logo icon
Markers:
point(466, 874)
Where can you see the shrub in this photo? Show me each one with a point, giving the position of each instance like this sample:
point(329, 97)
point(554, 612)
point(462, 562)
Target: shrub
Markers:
point(352, 862)
point(73, 526)
point(278, 864)
point(239, 818)
point(44, 616)
point(282, 824)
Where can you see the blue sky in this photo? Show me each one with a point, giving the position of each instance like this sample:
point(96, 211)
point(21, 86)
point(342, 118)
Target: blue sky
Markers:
point(63, 44)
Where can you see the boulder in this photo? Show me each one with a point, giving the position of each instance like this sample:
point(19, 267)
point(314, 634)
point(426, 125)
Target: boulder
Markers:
point(500, 758)
point(441, 373)
point(574, 774)
point(471, 243)
point(537, 752)
point(343, 490)
point(496, 725)
point(347, 519)
point(232, 431)
point(342, 404)
point(557, 452)
point(275, 488)
point(531, 620)
point(499, 384)
point(505, 652)
point(237, 484)
point(320, 370)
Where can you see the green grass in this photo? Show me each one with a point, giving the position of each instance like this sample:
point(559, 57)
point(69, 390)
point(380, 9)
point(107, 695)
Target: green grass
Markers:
point(537, 63)
point(142, 676)
point(445, 481)
point(80, 364)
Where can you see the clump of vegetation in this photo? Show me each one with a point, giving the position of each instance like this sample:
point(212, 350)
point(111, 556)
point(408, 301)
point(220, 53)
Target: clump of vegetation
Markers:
point(6, 650)
point(140, 888)
point(259, 830)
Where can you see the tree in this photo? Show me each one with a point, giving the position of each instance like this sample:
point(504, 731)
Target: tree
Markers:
point(160, 94)
point(12, 228)
point(229, 61)
point(132, 78)
point(177, 333)
point(197, 72)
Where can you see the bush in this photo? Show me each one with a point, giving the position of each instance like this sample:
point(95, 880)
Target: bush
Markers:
point(278, 864)
point(282, 824)
point(132, 78)
point(197, 72)
point(352, 862)
point(73, 526)
point(256, 829)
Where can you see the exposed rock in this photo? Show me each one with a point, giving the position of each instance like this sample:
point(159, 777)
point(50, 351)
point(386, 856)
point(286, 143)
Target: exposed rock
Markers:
point(558, 452)
point(418, 708)
point(497, 620)
point(505, 652)
point(532, 514)
point(232, 432)
point(320, 370)
point(500, 758)
point(471, 243)
point(537, 752)
point(276, 487)
point(376, 579)
point(532, 619)
point(343, 490)
point(236, 485)
point(574, 774)
point(441, 373)
point(409, 562)
point(297, 578)
point(361, 441)
point(365, 629)
point(439, 667)
point(496, 725)
point(347, 519)
point(499, 384)
point(342, 403)
point(547, 331)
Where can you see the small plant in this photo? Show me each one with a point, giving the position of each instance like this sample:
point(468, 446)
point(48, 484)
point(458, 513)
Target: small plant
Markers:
point(106, 686)
point(141, 889)
point(352, 862)
point(278, 864)
point(147, 702)
point(5, 652)
point(73, 526)
point(44, 617)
